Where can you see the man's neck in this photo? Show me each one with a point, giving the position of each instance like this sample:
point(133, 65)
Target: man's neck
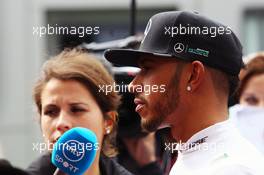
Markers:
point(197, 120)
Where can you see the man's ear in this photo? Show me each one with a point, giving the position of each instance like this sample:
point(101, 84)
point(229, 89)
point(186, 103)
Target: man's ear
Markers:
point(109, 121)
point(196, 76)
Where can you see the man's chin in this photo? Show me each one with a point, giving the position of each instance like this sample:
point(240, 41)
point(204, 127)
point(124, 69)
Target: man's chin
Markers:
point(150, 125)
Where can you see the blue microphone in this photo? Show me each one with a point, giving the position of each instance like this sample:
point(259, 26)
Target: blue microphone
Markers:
point(75, 151)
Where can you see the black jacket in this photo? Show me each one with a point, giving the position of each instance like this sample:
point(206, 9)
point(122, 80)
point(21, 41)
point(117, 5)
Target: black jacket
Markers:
point(7, 169)
point(43, 166)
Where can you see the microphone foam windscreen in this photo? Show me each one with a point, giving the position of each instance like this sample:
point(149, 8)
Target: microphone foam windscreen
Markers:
point(75, 151)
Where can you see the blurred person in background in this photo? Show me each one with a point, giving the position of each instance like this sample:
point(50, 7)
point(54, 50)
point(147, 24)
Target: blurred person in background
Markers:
point(7, 169)
point(66, 96)
point(251, 89)
point(248, 115)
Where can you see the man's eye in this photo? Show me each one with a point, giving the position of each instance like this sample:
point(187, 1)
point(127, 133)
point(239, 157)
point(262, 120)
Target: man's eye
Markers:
point(144, 69)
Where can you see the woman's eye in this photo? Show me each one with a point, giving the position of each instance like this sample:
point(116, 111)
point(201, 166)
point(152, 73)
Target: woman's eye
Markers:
point(77, 110)
point(51, 113)
point(252, 100)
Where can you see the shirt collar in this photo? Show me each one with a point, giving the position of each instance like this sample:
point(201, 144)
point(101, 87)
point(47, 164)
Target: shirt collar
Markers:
point(207, 135)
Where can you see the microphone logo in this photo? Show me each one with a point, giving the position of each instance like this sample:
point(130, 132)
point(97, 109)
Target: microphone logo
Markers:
point(73, 150)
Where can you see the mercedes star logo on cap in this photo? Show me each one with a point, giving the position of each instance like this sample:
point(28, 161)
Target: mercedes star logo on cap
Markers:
point(179, 47)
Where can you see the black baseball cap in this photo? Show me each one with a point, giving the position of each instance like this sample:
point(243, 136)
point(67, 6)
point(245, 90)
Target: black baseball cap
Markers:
point(187, 36)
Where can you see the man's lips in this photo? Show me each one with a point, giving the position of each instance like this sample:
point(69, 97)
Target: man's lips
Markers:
point(139, 104)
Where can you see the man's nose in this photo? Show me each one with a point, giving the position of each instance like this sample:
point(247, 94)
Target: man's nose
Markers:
point(133, 84)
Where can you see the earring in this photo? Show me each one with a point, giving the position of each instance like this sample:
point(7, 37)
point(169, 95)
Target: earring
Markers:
point(108, 131)
point(189, 88)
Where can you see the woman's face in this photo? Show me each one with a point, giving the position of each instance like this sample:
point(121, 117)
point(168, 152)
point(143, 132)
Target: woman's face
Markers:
point(253, 94)
point(67, 104)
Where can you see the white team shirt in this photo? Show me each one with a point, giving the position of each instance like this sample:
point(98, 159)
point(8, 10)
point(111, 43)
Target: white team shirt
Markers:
point(218, 150)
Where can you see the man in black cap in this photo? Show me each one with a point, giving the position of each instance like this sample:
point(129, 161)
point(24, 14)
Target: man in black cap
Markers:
point(189, 67)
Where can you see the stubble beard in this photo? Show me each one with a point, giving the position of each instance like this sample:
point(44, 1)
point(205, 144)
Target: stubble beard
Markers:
point(165, 105)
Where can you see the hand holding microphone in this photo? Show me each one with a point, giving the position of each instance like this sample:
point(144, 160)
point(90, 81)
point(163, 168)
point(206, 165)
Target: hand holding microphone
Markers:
point(75, 151)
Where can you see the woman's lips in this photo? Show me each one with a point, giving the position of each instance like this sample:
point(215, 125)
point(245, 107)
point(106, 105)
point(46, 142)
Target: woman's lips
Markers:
point(55, 140)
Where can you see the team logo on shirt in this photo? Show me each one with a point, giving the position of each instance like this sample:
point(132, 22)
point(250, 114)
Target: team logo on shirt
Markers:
point(197, 142)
